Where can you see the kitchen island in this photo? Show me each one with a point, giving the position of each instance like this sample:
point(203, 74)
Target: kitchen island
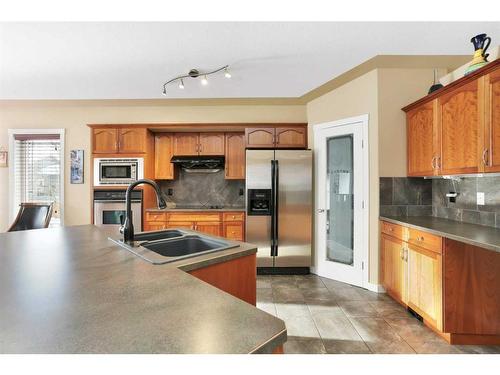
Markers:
point(71, 290)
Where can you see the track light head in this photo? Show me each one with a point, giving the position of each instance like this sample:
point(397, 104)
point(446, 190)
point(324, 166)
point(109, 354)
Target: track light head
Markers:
point(227, 74)
point(204, 81)
point(181, 84)
point(164, 92)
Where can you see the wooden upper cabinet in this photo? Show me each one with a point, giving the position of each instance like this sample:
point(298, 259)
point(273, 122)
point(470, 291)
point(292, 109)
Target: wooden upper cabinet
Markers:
point(291, 137)
point(186, 144)
point(235, 156)
point(121, 140)
point(425, 284)
point(421, 127)
point(491, 152)
point(459, 129)
point(211, 144)
point(164, 150)
point(132, 140)
point(105, 141)
point(259, 137)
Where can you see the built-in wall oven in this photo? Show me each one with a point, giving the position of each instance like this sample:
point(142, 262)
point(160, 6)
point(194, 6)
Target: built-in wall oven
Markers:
point(117, 171)
point(109, 208)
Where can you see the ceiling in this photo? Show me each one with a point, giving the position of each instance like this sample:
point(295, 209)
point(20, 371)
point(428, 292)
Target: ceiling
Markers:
point(279, 59)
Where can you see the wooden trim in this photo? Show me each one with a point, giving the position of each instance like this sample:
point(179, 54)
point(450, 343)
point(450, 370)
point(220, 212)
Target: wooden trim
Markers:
point(453, 85)
point(463, 339)
point(197, 127)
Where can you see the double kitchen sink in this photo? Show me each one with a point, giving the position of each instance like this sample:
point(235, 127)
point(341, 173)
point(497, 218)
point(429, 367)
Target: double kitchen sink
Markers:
point(170, 245)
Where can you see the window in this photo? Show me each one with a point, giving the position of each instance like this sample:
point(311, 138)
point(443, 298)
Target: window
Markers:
point(37, 173)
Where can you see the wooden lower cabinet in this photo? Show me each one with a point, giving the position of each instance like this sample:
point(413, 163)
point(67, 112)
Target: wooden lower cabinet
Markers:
point(425, 285)
point(221, 224)
point(237, 277)
point(213, 229)
point(453, 286)
point(394, 270)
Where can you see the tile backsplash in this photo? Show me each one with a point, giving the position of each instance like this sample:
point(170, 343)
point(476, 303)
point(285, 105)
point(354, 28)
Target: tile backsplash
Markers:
point(204, 190)
point(419, 197)
point(466, 208)
point(401, 196)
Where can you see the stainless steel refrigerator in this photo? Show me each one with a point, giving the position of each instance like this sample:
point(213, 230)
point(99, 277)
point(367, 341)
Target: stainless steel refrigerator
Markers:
point(279, 209)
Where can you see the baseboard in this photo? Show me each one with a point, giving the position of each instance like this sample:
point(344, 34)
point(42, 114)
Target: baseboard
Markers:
point(377, 288)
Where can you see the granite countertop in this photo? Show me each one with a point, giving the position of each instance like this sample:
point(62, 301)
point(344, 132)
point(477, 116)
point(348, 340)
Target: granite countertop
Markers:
point(473, 234)
point(71, 290)
point(198, 209)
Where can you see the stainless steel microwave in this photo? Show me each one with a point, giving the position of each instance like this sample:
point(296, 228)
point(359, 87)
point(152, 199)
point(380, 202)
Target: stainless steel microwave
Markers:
point(117, 171)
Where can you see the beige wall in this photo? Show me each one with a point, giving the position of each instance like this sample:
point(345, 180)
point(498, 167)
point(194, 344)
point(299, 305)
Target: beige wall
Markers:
point(75, 117)
point(396, 89)
point(358, 97)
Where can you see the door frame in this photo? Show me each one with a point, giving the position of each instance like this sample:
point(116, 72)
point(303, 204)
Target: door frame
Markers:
point(11, 134)
point(364, 251)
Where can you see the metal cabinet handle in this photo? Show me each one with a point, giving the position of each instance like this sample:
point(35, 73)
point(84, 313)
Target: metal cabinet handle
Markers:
point(433, 163)
point(401, 253)
point(438, 162)
point(421, 238)
point(485, 156)
point(406, 255)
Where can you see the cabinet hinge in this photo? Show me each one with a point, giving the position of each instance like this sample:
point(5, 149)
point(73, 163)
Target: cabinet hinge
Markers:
point(363, 204)
point(362, 143)
point(362, 265)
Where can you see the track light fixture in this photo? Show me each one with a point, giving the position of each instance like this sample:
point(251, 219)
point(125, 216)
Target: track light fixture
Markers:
point(195, 73)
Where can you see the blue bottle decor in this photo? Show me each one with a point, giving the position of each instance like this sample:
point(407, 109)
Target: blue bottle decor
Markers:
point(481, 43)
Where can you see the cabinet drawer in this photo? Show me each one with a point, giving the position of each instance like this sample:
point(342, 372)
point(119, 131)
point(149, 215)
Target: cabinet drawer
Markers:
point(393, 229)
point(194, 216)
point(156, 216)
point(234, 231)
point(233, 216)
point(426, 240)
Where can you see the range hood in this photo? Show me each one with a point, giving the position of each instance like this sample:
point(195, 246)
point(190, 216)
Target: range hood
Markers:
point(199, 164)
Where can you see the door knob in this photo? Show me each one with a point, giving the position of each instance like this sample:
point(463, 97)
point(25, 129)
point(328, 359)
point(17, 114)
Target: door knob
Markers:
point(321, 210)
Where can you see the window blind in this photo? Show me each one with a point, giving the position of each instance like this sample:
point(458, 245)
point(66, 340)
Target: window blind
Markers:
point(37, 171)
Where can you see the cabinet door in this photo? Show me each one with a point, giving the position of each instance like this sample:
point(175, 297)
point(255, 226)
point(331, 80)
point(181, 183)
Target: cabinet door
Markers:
point(132, 140)
point(164, 149)
point(186, 144)
point(235, 156)
point(259, 137)
point(105, 141)
point(211, 144)
point(491, 152)
point(459, 126)
point(394, 267)
point(425, 284)
point(291, 137)
point(234, 231)
point(420, 140)
point(180, 224)
point(213, 229)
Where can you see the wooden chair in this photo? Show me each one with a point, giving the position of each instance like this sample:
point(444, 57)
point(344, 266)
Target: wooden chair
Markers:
point(32, 216)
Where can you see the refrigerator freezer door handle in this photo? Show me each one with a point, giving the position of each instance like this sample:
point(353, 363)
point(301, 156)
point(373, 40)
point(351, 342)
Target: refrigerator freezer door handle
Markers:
point(276, 205)
point(273, 245)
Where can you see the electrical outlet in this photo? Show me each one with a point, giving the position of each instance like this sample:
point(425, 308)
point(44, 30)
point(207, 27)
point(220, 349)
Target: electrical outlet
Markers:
point(241, 192)
point(480, 199)
point(170, 191)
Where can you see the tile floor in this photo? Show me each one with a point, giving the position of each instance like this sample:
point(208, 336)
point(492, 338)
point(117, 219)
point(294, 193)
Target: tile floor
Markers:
point(326, 316)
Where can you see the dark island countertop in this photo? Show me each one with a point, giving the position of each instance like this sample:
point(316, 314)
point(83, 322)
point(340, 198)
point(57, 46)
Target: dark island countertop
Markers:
point(473, 234)
point(71, 290)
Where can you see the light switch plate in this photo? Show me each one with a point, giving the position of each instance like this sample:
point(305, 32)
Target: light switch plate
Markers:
point(480, 199)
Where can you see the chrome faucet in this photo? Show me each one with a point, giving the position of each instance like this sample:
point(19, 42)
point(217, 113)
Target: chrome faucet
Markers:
point(127, 229)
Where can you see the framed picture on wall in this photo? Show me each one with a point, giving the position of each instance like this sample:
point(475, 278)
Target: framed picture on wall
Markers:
point(3, 158)
point(76, 157)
